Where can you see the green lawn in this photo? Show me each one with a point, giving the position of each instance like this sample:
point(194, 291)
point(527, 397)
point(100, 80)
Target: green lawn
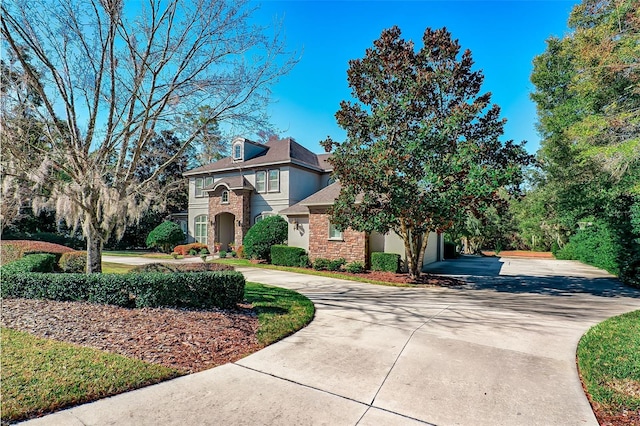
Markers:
point(281, 312)
point(115, 268)
point(41, 376)
point(609, 363)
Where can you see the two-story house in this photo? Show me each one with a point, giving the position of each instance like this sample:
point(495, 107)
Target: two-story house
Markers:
point(280, 177)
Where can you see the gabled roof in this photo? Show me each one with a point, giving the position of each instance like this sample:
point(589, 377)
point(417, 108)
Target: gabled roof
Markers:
point(325, 197)
point(279, 151)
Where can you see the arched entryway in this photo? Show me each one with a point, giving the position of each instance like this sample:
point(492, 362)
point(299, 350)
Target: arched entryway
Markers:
point(225, 230)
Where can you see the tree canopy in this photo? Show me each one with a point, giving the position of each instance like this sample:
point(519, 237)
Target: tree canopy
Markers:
point(587, 91)
point(422, 145)
point(111, 75)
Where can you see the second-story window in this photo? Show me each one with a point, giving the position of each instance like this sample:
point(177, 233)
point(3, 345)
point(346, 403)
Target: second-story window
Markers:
point(199, 186)
point(274, 180)
point(261, 181)
point(224, 198)
point(208, 181)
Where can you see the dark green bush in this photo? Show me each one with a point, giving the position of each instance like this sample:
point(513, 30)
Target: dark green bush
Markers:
point(222, 254)
point(595, 245)
point(389, 262)
point(355, 267)
point(336, 264)
point(304, 261)
point(269, 231)
point(43, 262)
point(288, 256)
point(73, 262)
point(321, 264)
point(165, 236)
point(196, 290)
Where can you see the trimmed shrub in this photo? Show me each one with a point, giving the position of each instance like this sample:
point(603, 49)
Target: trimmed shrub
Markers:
point(287, 256)
point(15, 249)
point(321, 264)
point(222, 254)
point(355, 267)
point(269, 231)
point(196, 290)
point(73, 262)
point(204, 250)
point(336, 264)
point(388, 262)
point(304, 261)
point(185, 249)
point(43, 262)
point(165, 236)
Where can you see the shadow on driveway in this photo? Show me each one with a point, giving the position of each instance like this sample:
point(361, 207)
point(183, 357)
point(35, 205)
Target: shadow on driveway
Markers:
point(533, 276)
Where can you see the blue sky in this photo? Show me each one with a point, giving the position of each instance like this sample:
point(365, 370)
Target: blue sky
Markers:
point(503, 36)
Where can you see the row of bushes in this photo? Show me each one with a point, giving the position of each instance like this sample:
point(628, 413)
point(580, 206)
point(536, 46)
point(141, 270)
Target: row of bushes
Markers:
point(194, 290)
point(283, 255)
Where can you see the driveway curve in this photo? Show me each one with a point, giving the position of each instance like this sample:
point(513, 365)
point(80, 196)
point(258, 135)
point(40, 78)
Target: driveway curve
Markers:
point(498, 351)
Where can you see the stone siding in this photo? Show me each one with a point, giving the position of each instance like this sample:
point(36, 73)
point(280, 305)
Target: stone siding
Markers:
point(239, 205)
point(353, 247)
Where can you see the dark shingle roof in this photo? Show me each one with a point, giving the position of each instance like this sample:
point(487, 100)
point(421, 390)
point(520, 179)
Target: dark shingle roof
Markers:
point(325, 197)
point(278, 151)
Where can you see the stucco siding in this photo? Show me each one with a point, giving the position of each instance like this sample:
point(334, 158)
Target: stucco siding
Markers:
point(298, 232)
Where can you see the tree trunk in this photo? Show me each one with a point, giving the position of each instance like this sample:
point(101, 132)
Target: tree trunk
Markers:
point(94, 252)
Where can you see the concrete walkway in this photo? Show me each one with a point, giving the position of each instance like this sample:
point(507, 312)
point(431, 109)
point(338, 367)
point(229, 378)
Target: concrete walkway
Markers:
point(500, 351)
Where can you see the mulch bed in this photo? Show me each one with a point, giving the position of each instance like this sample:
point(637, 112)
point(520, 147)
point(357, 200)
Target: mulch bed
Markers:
point(185, 340)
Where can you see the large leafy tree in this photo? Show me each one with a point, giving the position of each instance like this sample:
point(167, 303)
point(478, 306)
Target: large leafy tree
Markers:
point(422, 147)
point(588, 98)
point(110, 76)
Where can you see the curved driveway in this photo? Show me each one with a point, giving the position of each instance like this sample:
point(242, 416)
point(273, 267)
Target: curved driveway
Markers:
point(498, 351)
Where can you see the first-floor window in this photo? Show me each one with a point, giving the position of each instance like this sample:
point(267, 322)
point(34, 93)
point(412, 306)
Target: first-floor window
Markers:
point(200, 231)
point(334, 232)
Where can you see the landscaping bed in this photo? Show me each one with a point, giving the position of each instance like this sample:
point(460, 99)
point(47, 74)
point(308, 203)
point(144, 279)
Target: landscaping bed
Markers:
point(186, 340)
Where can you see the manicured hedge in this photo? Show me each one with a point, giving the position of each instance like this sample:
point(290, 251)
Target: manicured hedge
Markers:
point(322, 264)
point(196, 290)
point(185, 248)
point(43, 262)
point(16, 249)
point(269, 231)
point(73, 262)
point(288, 256)
point(389, 262)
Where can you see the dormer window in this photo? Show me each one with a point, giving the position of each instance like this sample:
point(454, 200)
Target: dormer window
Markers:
point(237, 151)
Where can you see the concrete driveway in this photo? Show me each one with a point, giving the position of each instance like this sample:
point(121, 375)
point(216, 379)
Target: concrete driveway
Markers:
point(499, 351)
